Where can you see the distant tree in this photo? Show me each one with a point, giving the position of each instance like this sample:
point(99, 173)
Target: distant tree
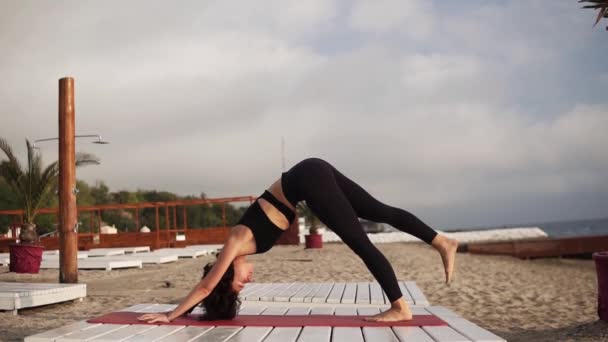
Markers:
point(101, 193)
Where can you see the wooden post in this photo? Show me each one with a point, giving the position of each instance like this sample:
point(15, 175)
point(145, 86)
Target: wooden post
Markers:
point(224, 213)
point(136, 220)
point(175, 217)
point(167, 234)
point(68, 236)
point(157, 227)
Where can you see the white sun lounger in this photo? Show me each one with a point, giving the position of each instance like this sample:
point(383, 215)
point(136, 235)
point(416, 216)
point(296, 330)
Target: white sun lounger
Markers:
point(458, 329)
point(363, 293)
point(80, 255)
point(146, 258)
point(140, 249)
point(5, 259)
point(184, 252)
point(101, 252)
point(103, 263)
point(15, 296)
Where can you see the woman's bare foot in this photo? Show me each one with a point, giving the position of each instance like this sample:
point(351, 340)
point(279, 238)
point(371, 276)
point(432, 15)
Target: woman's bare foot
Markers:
point(391, 315)
point(447, 249)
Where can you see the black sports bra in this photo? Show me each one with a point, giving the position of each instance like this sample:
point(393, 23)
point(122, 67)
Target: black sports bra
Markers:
point(265, 232)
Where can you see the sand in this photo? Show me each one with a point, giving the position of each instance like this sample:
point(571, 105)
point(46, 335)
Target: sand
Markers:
point(520, 300)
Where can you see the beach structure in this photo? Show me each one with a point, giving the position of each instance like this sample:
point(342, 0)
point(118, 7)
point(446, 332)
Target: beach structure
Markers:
point(329, 294)
point(15, 296)
point(262, 322)
point(542, 248)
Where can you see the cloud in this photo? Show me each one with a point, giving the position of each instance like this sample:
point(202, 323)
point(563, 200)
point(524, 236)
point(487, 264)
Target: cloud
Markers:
point(432, 107)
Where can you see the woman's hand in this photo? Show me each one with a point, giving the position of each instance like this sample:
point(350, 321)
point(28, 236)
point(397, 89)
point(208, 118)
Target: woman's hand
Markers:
point(155, 317)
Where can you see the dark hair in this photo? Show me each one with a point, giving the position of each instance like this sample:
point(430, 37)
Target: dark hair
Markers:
point(223, 302)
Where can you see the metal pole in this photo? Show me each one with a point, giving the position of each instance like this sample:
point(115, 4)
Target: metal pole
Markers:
point(68, 236)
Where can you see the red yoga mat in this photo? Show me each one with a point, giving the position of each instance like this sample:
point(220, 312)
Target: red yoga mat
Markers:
point(125, 317)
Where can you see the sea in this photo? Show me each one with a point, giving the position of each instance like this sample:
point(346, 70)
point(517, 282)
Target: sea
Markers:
point(570, 228)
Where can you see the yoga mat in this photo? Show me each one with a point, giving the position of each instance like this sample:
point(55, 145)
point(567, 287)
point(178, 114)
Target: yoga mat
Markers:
point(126, 317)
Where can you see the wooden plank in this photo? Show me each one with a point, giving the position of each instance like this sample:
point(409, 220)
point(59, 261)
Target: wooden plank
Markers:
point(367, 311)
point(347, 334)
point(287, 293)
point(217, 334)
point(275, 310)
point(250, 334)
point(123, 334)
point(335, 296)
point(315, 334)
point(323, 293)
point(417, 294)
point(384, 334)
point(322, 310)
point(375, 292)
point(310, 296)
point(362, 293)
point(350, 293)
point(91, 333)
point(298, 311)
point(252, 310)
point(269, 296)
point(345, 311)
point(261, 288)
point(283, 334)
point(186, 334)
point(51, 335)
point(412, 334)
point(264, 290)
point(248, 289)
point(159, 331)
point(303, 292)
point(445, 334)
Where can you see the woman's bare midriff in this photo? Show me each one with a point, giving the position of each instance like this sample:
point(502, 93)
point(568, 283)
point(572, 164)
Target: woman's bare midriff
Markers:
point(274, 214)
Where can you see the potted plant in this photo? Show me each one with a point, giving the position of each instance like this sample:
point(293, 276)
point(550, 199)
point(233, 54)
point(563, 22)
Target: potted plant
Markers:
point(313, 239)
point(32, 187)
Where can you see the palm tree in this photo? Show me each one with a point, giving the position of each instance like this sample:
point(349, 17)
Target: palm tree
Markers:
point(310, 218)
point(601, 5)
point(33, 185)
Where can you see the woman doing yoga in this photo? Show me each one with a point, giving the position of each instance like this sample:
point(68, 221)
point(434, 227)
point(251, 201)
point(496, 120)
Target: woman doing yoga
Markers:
point(338, 202)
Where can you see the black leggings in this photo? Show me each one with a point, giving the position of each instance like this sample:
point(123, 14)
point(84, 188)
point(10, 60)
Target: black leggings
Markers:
point(338, 201)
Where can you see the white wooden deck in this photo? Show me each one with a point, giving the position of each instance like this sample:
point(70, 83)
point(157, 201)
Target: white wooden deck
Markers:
point(458, 329)
point(15, 296)
point(5, 259)
point(103, 263)
point(146, 258)
point(361, 293)
point(104, 252)
point(140, 249)
point(185, 252)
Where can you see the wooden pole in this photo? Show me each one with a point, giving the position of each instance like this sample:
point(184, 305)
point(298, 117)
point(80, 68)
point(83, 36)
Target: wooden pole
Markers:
point(68, 234)
point(224, 213)
point(136, 220)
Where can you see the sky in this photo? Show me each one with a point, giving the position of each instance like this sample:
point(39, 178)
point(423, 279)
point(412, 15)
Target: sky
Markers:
point(468, 114)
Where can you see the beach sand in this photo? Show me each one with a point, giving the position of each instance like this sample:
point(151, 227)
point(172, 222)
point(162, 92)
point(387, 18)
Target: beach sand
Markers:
point(520, 300)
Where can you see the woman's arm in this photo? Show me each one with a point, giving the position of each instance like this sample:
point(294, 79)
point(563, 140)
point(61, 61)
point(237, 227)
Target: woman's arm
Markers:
point(232, 248)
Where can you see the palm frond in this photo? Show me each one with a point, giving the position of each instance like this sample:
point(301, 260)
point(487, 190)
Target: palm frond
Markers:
point(8, 151)
point(83, 159)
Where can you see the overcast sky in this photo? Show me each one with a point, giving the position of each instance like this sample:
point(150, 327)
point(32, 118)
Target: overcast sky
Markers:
point(484, 113)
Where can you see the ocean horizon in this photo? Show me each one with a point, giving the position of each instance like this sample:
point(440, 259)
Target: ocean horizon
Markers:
point(566, 228)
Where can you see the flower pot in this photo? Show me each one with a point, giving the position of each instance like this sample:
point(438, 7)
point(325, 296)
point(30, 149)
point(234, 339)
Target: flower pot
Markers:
point(601, 266)
point(314, 240)
point(25, 258)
